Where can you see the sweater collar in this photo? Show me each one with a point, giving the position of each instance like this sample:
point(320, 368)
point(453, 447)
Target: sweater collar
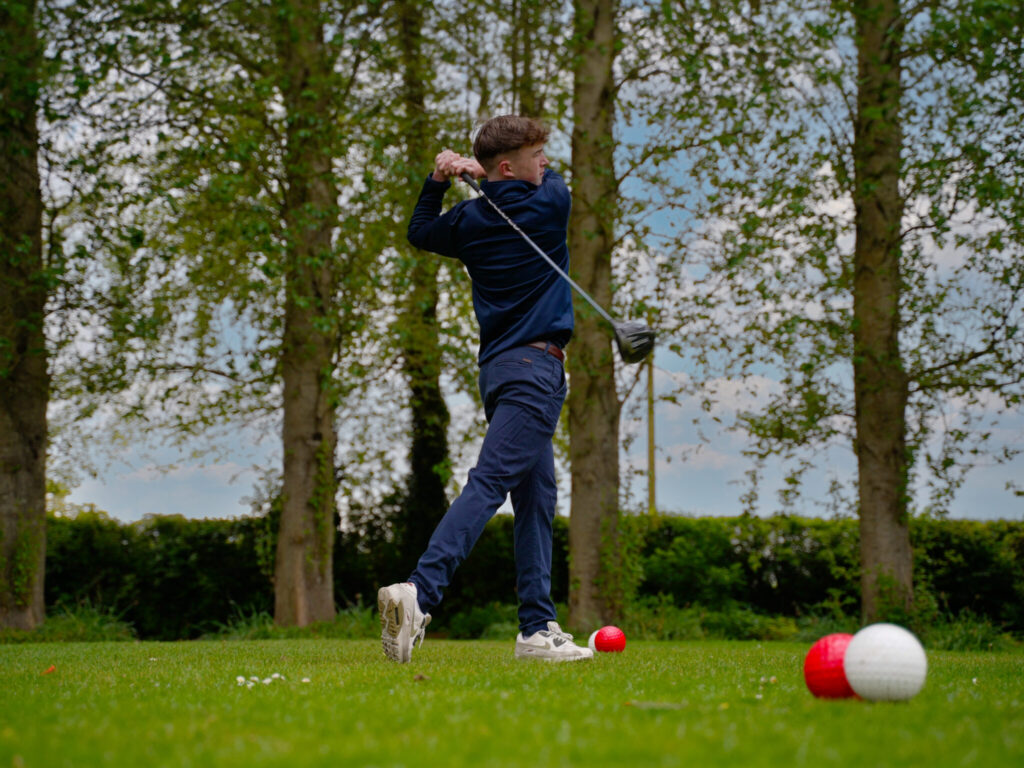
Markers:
point(508, 189)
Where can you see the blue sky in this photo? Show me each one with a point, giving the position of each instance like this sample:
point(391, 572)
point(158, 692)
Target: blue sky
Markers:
point(693, 476)
point(708, 481)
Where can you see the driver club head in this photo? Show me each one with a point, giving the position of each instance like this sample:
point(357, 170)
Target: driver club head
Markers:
point(635, 340)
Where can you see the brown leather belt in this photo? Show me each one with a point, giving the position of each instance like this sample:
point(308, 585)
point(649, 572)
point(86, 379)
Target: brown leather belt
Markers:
point(552, 349)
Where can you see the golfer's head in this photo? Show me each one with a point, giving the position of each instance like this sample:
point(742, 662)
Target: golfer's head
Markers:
point(512, 147)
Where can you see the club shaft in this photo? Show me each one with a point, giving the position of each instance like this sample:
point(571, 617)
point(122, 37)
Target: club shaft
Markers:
point(597, 307)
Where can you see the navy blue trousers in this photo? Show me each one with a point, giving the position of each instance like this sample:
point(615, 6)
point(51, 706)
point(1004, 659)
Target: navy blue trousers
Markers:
point(523, 390)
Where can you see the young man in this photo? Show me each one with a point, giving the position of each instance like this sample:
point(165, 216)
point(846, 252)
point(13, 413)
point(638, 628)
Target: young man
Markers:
point(525, 314)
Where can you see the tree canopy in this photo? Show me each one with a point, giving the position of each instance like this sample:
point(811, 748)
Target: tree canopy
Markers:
point(819, 199)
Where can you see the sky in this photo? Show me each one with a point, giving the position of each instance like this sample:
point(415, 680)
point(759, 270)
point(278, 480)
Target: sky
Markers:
point(694, 476)
point(696, 473)
point(691, 478)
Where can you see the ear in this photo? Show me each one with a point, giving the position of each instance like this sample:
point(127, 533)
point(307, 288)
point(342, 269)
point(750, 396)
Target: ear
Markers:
point(505, 169)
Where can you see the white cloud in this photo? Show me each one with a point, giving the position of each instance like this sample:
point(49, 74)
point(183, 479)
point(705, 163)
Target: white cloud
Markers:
point(224, 472)
point(697, 456)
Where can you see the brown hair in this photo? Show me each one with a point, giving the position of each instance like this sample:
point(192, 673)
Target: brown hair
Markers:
point(506, 133)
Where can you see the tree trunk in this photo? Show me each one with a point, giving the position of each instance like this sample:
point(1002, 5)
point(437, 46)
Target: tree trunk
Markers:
point(426, 500)
point(595, 593)
point(303, 571)
point(24, 380)
point(526, 20)
point(880, 383)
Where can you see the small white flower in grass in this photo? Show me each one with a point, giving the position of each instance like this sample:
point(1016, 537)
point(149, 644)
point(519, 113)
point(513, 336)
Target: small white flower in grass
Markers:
point(974, 680)
point(240, 680)
point(254, 679)
point(267, 681)
point(250, 684)
point(277, 676)
point(306, 680)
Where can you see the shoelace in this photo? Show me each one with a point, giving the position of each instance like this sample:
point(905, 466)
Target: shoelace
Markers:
point(421, 634)
point(561, 633)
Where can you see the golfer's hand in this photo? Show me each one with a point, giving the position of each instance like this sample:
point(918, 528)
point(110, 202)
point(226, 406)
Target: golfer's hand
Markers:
point(450, 164)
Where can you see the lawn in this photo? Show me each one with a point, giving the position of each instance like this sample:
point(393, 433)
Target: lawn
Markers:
point(471, 704)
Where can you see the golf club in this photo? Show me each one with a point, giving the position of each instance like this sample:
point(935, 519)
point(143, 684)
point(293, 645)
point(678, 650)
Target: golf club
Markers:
point(634, 339)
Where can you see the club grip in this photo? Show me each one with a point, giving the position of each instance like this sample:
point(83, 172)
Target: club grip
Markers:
point(469, 180)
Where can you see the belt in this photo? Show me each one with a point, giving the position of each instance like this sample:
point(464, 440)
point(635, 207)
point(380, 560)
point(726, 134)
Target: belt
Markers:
point(552, 349)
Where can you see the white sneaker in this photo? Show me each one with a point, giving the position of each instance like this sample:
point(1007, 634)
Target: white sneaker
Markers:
point(551, 644)
point(402, 624)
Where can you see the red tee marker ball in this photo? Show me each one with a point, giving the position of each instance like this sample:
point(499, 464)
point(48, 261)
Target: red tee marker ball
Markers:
point(823, 668)
point(610, 639)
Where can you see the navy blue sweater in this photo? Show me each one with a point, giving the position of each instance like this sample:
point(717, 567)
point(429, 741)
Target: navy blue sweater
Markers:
point(517, 296)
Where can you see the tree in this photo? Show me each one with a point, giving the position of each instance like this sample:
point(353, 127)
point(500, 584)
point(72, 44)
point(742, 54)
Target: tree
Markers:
point(861, 243)
point(426, 499)
point(884, 185)
point(25, 284)
point(236, 270)
point(624, 139)
point(880, 383)
point(303, 576)
point(595, 556)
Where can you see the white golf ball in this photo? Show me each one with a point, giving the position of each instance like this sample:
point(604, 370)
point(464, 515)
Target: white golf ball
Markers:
point(590, 642)
point(885, 662)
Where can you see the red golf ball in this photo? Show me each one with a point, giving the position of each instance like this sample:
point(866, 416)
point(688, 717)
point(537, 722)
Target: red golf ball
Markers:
point(823, 668)
point(610, 639)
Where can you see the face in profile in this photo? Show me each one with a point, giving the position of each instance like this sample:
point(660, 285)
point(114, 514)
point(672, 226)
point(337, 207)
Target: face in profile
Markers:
point(526, 164)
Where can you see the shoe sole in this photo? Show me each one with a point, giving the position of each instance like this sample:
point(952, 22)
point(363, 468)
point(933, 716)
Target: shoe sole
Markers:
point(392, 614)
point(529, 654)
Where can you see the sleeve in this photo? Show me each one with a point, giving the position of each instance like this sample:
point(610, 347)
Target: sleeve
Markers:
point(428, 229)
point(557, 193)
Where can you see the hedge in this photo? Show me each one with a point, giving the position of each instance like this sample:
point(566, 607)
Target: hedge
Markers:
point(792, 566)
point(173, 577)
point(168, 576)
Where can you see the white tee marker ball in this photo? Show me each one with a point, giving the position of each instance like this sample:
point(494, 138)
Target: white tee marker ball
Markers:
point(885, 662)
point(590, 642)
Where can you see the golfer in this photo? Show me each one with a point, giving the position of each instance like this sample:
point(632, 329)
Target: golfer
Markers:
point(524, 310)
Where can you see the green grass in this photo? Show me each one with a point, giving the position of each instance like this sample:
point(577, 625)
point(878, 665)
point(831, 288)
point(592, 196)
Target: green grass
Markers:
point(469, 703)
